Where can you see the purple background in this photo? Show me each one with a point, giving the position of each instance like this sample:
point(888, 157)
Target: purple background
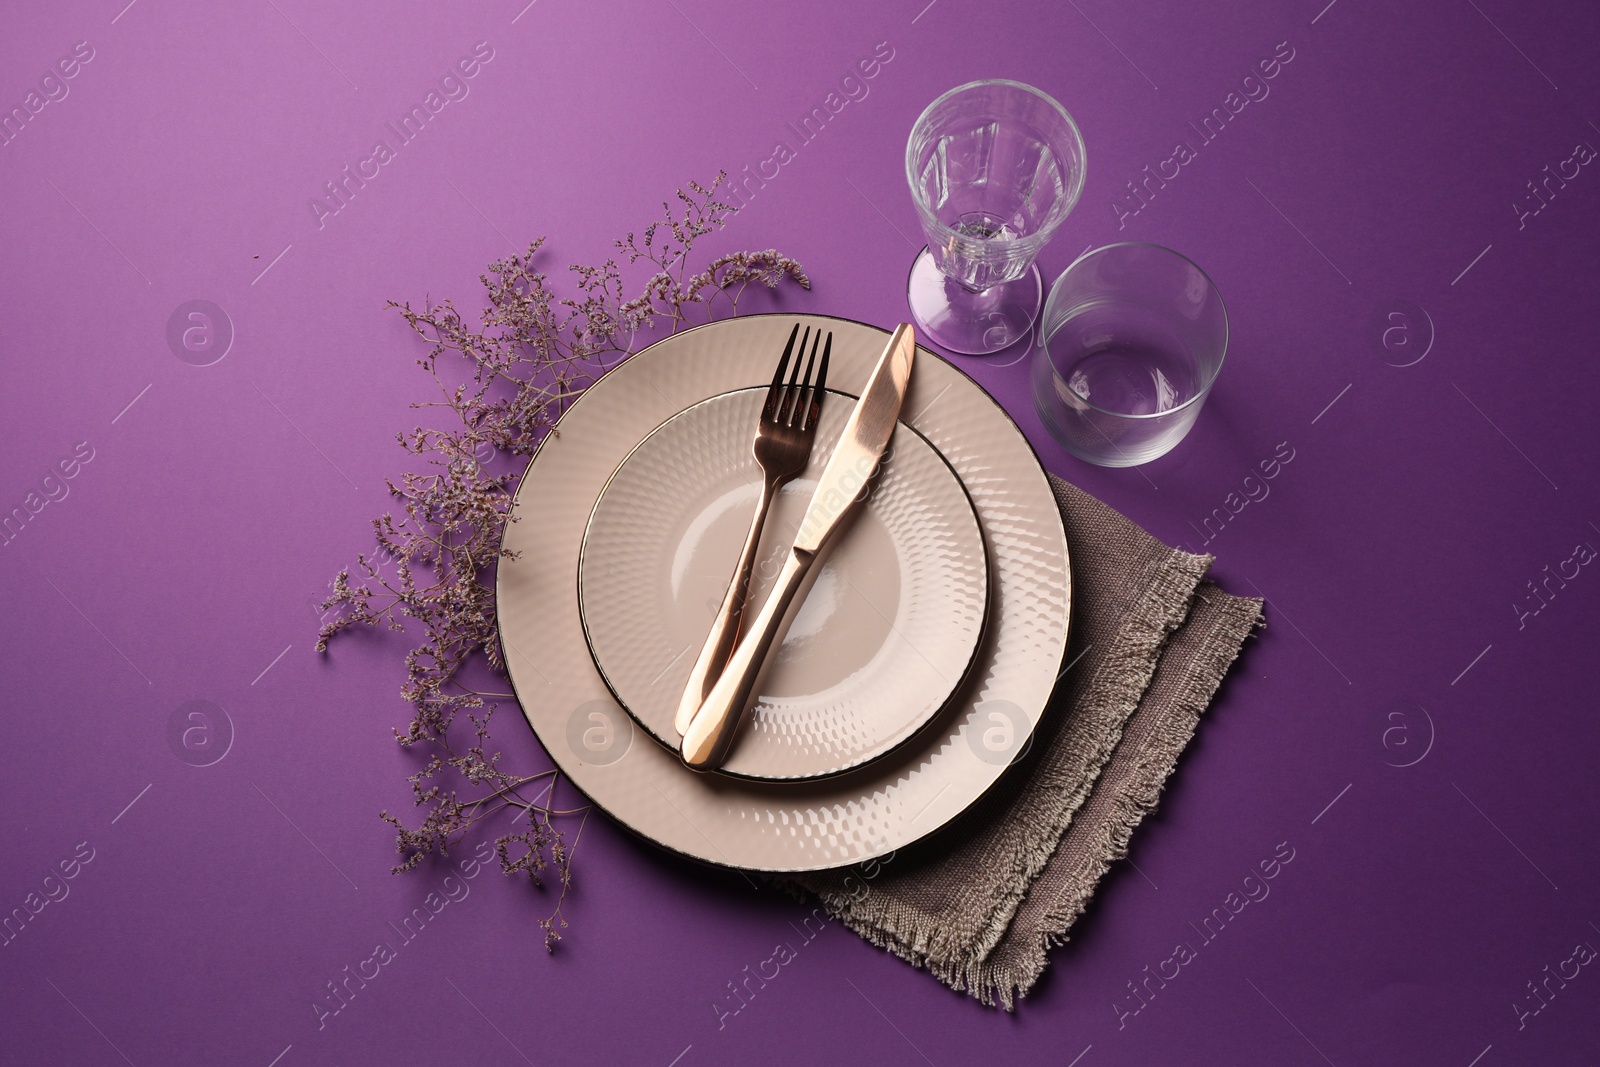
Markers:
point(184, 562)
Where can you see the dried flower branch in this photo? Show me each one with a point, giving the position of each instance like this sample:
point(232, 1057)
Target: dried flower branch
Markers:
point(535, 352)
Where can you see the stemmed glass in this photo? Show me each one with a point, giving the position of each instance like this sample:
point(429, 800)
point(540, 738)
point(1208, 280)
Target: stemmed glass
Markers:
point(994, 168)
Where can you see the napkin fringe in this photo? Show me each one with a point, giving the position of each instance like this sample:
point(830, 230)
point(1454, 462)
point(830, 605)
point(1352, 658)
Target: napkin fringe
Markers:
point(1238, 619)
point(1045, 811)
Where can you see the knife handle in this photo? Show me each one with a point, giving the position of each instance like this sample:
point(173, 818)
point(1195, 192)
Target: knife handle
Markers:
point(725, 627)
point(706, 742)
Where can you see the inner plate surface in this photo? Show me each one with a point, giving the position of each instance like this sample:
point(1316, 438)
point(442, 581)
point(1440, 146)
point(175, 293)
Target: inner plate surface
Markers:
point(881, 638)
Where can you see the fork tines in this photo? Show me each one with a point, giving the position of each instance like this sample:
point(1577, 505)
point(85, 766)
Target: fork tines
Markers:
point(799, 396)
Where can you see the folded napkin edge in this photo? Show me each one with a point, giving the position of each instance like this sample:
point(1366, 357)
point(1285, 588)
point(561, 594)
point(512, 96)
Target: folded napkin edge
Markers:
point(1237, 619)
point(1121, 677)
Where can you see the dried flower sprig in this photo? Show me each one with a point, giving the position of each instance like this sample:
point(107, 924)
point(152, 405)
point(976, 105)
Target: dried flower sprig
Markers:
point(536, 351)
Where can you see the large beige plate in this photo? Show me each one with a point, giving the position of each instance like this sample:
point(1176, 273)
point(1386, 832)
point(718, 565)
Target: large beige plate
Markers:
point(878, 643)
point(830, 822)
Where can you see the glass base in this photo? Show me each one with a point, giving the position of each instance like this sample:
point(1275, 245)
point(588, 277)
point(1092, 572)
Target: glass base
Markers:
point(975, 324)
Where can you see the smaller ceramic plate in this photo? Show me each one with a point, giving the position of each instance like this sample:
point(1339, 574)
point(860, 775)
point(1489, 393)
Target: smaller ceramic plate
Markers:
point(875, 647)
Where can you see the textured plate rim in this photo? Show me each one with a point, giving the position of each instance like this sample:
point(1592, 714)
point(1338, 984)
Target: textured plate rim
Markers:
point(1066, 629)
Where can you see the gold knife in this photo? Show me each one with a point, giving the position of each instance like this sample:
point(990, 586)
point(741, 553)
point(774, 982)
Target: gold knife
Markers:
point(855, 457)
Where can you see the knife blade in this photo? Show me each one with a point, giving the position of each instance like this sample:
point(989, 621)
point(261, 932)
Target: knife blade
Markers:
point(862, 442)
point(861, 445)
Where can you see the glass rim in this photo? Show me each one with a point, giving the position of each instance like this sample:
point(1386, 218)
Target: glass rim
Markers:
point(1074, 186)
point(1211, 379)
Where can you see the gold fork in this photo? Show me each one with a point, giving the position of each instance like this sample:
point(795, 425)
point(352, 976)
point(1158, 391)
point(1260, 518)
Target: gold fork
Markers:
point(782, 447)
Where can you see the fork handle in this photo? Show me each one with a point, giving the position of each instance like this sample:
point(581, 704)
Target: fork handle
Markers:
point(706, 742)
point(725, 627)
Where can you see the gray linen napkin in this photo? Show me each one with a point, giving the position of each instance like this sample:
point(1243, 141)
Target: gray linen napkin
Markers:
point(980, 903)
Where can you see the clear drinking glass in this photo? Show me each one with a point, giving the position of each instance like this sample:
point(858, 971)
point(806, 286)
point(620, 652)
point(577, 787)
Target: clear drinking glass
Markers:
point(1128, 347)
point(994, 169)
